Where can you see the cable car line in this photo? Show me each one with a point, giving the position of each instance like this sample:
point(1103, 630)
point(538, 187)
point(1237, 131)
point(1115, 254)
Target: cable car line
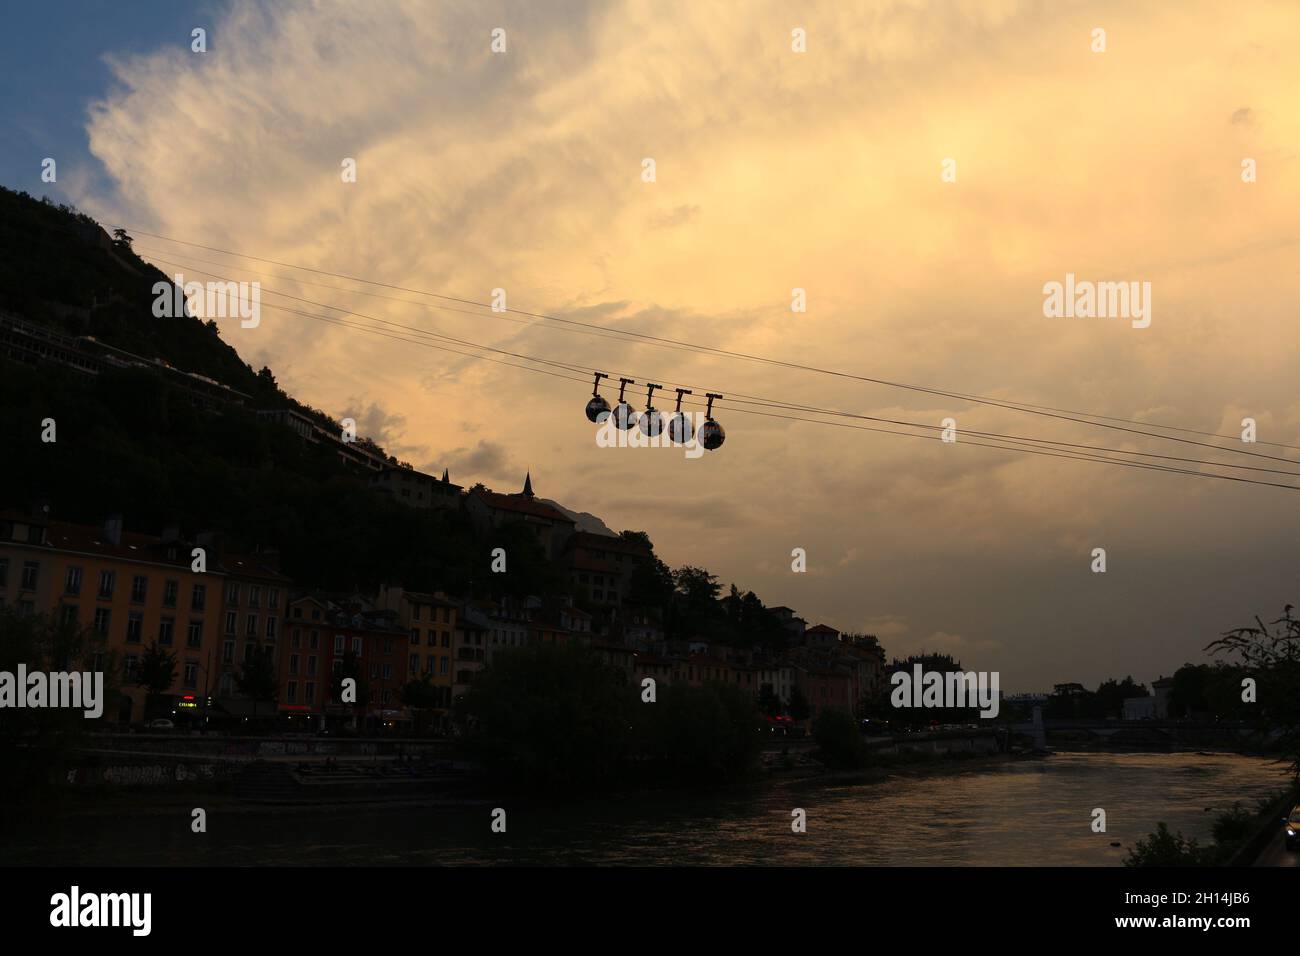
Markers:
point(1027, 407)
point(1101, 459)
point(762, 403)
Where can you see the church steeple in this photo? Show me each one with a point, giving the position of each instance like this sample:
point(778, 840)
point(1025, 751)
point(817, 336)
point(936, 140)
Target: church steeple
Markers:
point(528, 485)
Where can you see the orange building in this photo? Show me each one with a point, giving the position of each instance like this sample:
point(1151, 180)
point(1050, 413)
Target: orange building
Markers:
point(254, 602)
point(322, 633)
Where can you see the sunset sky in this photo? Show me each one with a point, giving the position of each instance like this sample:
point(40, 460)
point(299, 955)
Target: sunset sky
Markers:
point(775, 170)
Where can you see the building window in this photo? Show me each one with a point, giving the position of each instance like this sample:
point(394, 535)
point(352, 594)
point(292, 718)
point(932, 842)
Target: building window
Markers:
point(338, 643)
point(128, 667)
point(194, 634)
point(232, 594)
point(254, 596)
point(166, 630)
point(273, 598)
point(228, 652)
point(444, 666)
point(356, 646)
point(388, 672)
point(314, 641)
point(310, 696)
point(291, 692)
point(103, 617)
point(271, 623)
point(446, 638)
point(106, 581)
point(311, 666)
point(295, 638)
point(170, 591)
point(415, 635)
point(199, 597)
point(433, 638)
point(232, 622)
point(70, 614)
point(134, 627)
point(31, 570)
point(139, 588)
point(72, 585)
point(251, 629)
point(293, 663)
point(191, 674)
point(415, 612)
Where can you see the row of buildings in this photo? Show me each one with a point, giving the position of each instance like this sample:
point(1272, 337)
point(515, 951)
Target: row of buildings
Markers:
point(134, 590)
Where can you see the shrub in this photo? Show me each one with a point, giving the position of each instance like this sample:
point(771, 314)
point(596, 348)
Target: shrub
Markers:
point(1163, 848)
point(701, 734)
point(1234, 825)
point(838, 739)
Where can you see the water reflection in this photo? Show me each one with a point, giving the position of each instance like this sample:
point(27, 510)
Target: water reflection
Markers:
point(1027, 813)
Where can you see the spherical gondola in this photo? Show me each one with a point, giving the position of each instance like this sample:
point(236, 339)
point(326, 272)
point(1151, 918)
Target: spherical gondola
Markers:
point(711, 434)
point(651, 421)
point(680, 428)
point(624, 414)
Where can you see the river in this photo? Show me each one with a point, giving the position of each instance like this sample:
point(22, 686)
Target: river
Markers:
point(1018, 813)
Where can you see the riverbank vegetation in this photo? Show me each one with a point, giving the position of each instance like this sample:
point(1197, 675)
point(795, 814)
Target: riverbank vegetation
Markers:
point(839, 742)
point(549, 717)
point(1232, 829)
point(37, 743)
point(1266, 660)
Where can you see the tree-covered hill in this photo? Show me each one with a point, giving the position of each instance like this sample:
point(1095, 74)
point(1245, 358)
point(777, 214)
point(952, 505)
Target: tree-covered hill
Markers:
point(130, 441)
point(61, 270)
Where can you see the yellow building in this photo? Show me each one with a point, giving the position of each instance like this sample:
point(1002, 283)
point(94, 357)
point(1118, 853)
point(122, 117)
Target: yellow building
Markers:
point(430, 621)
point(133, 589)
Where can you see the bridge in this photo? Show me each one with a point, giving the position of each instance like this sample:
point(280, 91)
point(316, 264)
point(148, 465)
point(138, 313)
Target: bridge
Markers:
point(1137, 732)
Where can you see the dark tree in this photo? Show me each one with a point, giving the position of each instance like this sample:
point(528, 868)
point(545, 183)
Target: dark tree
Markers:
point(551, 716)
point(768, 702)
point(37, 744)
point(155, 672)
point(799, 709)
point(1269, 654)
point(422, 697)
point(257, 679)
point(839, 741)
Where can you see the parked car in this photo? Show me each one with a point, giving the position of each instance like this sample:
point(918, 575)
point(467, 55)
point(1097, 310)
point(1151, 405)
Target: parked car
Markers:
point(1291, 826)
point(781, 726)
point(161, 723)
